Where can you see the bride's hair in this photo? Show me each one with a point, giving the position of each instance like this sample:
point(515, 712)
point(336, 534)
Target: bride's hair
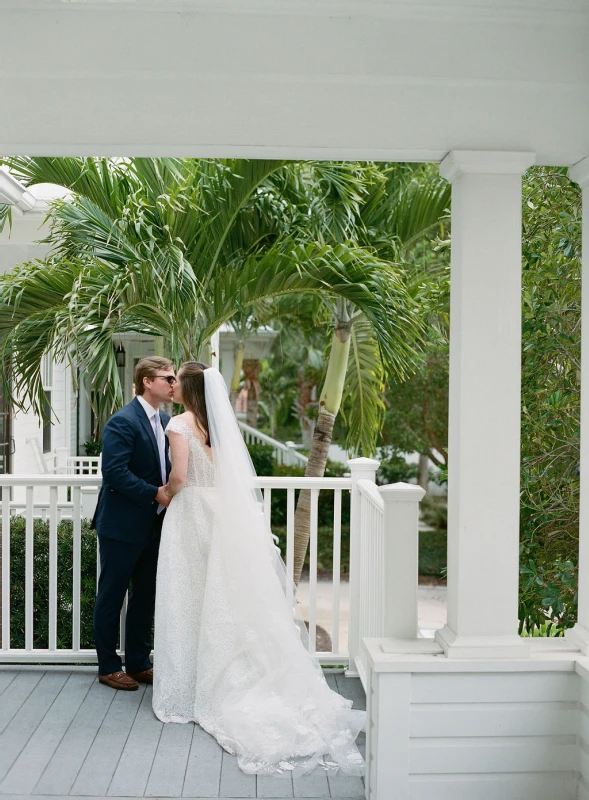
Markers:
point(192, 381)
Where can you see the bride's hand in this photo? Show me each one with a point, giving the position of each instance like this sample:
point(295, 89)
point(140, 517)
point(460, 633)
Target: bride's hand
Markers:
point(162, 496)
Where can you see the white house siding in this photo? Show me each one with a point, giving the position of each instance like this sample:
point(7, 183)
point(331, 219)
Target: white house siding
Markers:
point(477, 731)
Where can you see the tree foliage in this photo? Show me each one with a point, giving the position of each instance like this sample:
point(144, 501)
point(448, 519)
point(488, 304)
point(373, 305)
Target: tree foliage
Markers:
point(175, 248)
point(551, 305)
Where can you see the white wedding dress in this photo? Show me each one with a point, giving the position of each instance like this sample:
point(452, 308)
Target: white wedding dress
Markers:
point(227, 652)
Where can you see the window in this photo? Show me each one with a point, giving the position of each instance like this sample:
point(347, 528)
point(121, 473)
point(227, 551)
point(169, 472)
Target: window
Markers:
point(47, 381)
point(5, 430)
point(47, 423)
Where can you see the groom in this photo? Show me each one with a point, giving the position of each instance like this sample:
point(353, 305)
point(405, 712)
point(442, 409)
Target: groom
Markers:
point(128, 521)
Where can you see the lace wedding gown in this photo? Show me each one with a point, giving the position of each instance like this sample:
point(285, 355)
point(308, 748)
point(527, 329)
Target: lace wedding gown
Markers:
point(248, 682)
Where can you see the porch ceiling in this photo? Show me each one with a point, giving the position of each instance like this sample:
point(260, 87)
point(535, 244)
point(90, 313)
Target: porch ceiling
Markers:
point(295, 79)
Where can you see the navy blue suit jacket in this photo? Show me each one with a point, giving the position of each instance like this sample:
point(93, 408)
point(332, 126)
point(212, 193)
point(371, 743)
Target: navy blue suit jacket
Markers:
point(131, 476)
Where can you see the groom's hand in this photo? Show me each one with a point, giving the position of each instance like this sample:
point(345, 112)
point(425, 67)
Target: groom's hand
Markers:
point(162, 497)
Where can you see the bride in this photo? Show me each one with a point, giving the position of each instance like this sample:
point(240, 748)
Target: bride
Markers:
point(229, 652)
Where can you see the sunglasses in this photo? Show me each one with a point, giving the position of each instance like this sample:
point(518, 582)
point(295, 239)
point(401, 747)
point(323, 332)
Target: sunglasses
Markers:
point(169, 378)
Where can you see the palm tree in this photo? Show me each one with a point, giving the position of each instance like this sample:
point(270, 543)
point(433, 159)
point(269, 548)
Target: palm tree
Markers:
point(392, 207)
point(175, 248)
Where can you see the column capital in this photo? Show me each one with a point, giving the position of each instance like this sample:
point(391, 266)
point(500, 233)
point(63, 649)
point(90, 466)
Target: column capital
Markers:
point(579, 173)
point(485, 162)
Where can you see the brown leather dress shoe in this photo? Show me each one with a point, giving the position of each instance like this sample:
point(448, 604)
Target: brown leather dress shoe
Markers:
point(119, 680)
point(142, 677)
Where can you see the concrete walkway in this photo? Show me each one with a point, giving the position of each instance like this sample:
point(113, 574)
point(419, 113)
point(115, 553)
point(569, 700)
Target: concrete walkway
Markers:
point(431, 611)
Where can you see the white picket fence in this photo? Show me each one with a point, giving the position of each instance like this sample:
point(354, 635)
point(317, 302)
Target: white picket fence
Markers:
point(383, 557)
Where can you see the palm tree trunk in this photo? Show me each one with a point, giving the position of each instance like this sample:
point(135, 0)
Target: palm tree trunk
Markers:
point(423, 472)
point(251, 370)
point(307, 431)
point(235, 380)
point(329, 404)
point(306, 397)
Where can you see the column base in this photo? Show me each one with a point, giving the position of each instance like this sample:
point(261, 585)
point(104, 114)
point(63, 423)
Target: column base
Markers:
point(579, 637)
point(457, 646)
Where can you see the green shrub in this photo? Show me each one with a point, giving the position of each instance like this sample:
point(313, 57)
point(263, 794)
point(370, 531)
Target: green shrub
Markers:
point(324, 549)
point(394, 468)
point(325, 503)
point(41, 583)
point(434, 512)
point(433, 553)
point(93, 448)
point(262, 456)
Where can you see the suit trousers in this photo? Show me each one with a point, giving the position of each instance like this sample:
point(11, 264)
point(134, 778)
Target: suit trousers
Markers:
point(125, 565)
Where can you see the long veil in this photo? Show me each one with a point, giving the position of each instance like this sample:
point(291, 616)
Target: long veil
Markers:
point(288, 717)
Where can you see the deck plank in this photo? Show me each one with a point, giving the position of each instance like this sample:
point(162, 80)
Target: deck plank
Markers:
point(203, 771)
point(6, 678)
point(234, 782)
point(132, 772)
point(97, 797)
point(103, 757)
point(169, 764)
point(37, 753)
point(313, 784)
point(63, 769)
point(331, 681)
point(67, 735)
point(345, 785)
point(351, 688)
point(21, 688)
point(276, 785)
point(24, 723)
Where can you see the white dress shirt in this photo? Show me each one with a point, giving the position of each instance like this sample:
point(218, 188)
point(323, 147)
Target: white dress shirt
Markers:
point(156, 423)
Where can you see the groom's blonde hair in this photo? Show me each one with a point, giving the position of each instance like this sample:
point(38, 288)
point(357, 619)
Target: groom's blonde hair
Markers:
point(148, 368)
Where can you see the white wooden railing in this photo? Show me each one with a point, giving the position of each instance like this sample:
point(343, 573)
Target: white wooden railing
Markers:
point(384, 561)
point(62, 463)
point(383, 558)
point(65, 464)
point(284, 452)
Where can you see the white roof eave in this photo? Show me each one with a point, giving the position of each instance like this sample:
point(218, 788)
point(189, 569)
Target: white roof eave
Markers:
point(14, 193)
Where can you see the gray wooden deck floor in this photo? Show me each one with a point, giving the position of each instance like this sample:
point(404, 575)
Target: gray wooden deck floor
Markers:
point(63, 734)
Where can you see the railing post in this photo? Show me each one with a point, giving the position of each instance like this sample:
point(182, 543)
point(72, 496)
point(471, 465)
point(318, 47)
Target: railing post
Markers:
point(401, 543)
point(290, 460)
point(61, 456)
point(360, 469)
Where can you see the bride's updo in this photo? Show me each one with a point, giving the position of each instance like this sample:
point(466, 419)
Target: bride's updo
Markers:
point(192, 386)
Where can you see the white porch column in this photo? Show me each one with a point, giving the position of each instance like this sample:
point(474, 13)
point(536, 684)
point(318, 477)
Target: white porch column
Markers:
point(579, 635)
point(484, 408)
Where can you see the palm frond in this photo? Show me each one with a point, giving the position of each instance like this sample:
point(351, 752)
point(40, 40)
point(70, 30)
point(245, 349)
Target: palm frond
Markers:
point(362, 403)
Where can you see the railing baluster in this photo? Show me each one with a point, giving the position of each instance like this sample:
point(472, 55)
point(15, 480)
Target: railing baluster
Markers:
point(267, 505)
point(77, 532)
point(52, 567)
point(313, 573)
point(29, 567)
point(337, 549)
point(51, 507)
point(290, 512)
point(5, 567)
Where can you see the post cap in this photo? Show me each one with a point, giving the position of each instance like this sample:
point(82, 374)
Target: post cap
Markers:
point(363, 464)
point(401, 492)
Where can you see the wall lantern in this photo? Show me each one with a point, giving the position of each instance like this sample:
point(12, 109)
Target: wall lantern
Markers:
point(120, 355)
